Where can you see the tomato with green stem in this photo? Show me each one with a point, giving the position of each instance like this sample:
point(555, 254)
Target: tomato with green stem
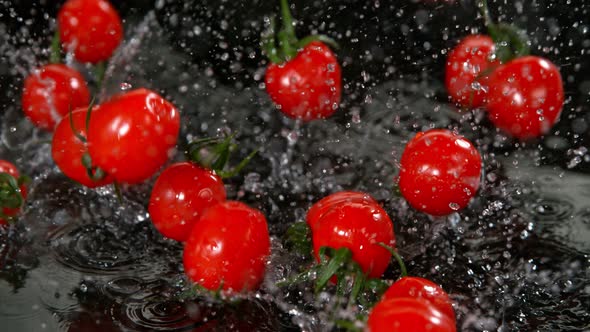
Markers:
point(358, 226)
point(440, 172)
point(526, 97)
point(133, 135)
point(50, 92)
point(228, 248)
point(304, 77)
point(69, 150)
point(13, 191)
point(403, 314)
point(180, 196)
point(468, 67)
point(90, 29)
point(421, 288)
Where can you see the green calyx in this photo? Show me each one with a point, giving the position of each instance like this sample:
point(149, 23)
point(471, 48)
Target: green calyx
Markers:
point(11, 196)
point(510, 41)
point(288, 44)
point(214, 153)
point(351, 280)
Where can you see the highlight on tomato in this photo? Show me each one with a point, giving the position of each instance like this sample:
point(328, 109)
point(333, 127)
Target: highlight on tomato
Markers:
point(90, 29)
point(50, 92)
point(228, 248)
point(133, 135)
point(421, 288)
point(526, 97)
point(181, 195)
point(403, 314)
point(440, 172)
point(468, 67)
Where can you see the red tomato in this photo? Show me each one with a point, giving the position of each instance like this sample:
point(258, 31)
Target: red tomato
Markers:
point(358, 226)
point(440, 172)
point(526, 97)
point(422, 288)
point(319, 208)
point(67, 150)
point(50, 92)
point(409, 314)
point(91, 29)
point(308, 86)
point(180, 196)
point(7, 167)
point(228, 247)
point(133, 134)
point(467, 67)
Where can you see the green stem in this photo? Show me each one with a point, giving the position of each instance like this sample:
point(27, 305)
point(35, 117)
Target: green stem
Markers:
point(233, 172)
point(398, 258)
point(118, 191)
point(287, 37)
point(288, 25)
point(99, 71)
point(341, 256)
point(482, 6)
point(55, 55)
point(358, 284)
point(269, 42)
point(75, 131)
point(89, 113)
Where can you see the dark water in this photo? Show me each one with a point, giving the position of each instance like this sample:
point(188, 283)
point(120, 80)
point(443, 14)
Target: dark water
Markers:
point(516, 260)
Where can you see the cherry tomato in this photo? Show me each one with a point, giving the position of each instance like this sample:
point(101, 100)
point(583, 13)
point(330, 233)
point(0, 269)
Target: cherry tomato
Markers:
point(228, 247)
point(308, 86)
point(358, 226)
point(181, 195)
point(50, 92)
point(319, 208)
point(91, 29)
point(9, 168)
point(133, 134)
point(467, 69)
point(440, 172)
point(407, 314)
point(67, 149)
point(422, 288)
point(526, 97)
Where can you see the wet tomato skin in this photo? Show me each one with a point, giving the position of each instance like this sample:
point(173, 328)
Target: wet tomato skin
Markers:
point(50, 92)
point(406, 314)
point(440, 172)
point(319, 208)
point(421, 288)
point(228, 247)
point(526, 97)
point(358, 226)
point(307, 87)
point(466, 70)
point(180, 196)
point(67, 149)
point(132, 135)
point(91, 29)
point(9, 168)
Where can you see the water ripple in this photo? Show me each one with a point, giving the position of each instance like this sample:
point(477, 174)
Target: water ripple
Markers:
point(552, 209)
point(99, 248)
